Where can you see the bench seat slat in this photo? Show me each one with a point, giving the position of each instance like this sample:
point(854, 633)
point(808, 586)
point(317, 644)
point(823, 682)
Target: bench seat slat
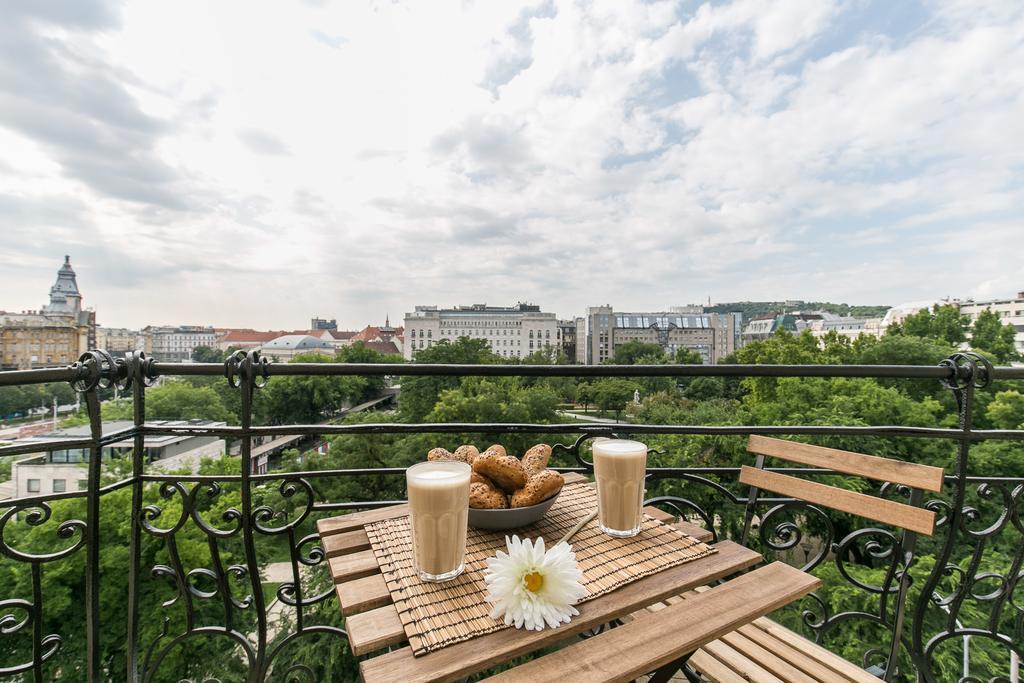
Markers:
point(739, 663)
point(713, 669)
point(841, 667)
point(765, 658)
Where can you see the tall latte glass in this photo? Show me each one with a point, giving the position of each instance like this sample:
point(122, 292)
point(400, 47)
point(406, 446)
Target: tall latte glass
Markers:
point(438, 512)
point(619, 468)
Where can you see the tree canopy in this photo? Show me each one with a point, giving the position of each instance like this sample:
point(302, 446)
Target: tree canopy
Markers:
point(991, 336)
point(944, 322)
point(633, 352)
point(421, 393)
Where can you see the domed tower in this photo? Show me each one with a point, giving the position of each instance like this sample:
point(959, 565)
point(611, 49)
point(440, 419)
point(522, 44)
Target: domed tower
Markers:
point(65, 298)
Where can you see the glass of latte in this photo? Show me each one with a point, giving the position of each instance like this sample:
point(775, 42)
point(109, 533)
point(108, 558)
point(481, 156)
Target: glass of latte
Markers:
point(438, 494)
point(619, 469)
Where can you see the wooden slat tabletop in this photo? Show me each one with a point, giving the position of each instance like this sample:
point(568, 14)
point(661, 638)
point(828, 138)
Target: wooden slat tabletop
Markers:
point(372, 622)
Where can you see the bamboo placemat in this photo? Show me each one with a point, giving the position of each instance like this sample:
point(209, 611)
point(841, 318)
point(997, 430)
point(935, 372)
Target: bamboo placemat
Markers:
point(436, 615)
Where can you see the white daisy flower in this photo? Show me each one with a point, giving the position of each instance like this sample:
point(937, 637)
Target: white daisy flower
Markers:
point(532, 588)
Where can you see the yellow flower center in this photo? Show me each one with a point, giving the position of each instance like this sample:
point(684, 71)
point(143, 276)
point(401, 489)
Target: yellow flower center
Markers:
point(533, 581)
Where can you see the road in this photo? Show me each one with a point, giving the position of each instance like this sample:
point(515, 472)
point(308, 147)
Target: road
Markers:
point(592, 418)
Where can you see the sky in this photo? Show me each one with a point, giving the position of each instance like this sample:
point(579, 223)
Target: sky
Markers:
point(260, 163)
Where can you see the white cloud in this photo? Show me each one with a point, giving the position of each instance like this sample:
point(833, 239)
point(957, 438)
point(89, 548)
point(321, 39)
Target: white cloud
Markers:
point(268, 162)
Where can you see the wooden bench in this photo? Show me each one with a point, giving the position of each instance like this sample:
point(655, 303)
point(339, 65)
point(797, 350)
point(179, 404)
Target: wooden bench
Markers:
point(765, 651)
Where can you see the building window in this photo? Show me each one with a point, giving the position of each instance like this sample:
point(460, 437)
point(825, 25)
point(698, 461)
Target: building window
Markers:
point(33, 486)
point(60, 485)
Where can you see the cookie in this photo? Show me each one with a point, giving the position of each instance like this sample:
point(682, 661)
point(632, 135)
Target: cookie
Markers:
point(466, 453)
point(482, 496)
point(536, 459)
point(504, 470)
point(540, 487)
point(445, 454)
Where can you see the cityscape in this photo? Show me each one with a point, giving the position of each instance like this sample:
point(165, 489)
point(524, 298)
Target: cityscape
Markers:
point(71, 444)
point(646, 341)
point(63, 329)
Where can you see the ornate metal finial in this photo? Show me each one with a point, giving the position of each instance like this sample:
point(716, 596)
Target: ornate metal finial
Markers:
point(967, 368)
point(98, 369)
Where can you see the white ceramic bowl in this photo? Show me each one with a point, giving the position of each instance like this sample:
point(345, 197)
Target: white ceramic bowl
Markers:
point(510, 518)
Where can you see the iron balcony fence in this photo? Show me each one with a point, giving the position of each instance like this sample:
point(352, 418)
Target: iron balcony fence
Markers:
point(217, 595)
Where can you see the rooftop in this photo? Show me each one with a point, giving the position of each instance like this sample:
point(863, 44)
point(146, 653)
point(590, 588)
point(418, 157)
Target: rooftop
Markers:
point(296, 341)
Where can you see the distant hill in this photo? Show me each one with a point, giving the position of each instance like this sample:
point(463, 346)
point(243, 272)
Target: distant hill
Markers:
point(752, 309)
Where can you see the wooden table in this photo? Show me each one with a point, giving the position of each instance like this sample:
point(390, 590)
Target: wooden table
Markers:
point(657, 641)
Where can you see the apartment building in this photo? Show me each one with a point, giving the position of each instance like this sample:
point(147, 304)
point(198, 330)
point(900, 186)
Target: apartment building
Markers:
point(712, 335)
point(64, 469)
point(1010, 311)
point(177, 343)
point(510, 331)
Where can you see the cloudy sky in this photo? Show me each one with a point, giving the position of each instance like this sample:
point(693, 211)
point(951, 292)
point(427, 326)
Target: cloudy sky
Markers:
point(257, 163)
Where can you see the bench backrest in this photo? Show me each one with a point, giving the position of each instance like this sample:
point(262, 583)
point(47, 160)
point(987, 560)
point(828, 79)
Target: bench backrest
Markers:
point(912, 519)
point(915, 476)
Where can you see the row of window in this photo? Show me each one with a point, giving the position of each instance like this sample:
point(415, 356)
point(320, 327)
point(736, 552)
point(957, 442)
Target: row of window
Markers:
point(483, 323)
point(428, 334)
point(58, 485)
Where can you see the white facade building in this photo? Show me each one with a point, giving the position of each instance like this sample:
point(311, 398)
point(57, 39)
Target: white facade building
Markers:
point(1010, 311)
point(177, 343)
point(511, 332)
point(848, 327)
point(65, 469)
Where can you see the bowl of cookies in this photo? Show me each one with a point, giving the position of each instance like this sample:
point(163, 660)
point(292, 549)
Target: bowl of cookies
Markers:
point(506, 492)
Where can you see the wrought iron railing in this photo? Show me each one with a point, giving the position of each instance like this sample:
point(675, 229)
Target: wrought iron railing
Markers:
point(188, 569)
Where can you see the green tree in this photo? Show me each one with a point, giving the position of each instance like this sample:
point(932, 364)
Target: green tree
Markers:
point(685, 356)
point(564, 387)
point(421, 393)
point(907, 350)
point(704, 388)
point(174, 400)
point(943, 321)
point(19, 399)
point(612, 394)
point(633, 351)
point(783, 348)
point(297, 399)
point(1006, 411)
point(359, 352)
point(584, 394)
point(654, 385)
point(205, 354)
point(990, 335)
point(494, 399)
